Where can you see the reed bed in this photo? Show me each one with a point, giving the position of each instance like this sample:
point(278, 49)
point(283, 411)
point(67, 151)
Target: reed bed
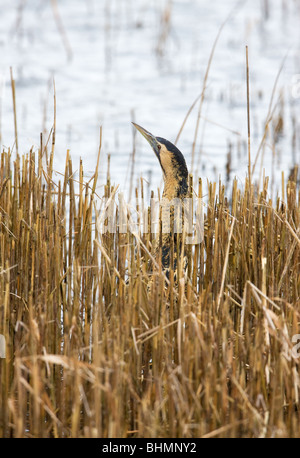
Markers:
point(93, 351)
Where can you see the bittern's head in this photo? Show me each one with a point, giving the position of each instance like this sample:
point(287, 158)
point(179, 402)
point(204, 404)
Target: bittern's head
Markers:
point(172, 162)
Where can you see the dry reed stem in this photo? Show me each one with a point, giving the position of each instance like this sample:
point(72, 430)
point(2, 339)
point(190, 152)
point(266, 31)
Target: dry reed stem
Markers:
point(101, 343)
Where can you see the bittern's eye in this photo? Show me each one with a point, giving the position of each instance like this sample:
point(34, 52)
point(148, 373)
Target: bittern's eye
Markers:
point(158, 146)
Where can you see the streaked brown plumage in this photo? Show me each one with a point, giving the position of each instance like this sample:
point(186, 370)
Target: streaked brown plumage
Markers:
point(175, 174)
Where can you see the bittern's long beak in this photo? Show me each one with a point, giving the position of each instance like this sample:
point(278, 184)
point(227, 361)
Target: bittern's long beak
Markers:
point(149, 137)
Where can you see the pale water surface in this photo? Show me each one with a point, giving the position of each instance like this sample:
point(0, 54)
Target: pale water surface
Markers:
point(118, 60)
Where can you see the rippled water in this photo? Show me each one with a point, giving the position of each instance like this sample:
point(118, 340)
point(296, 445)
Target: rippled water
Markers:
point(118, 60)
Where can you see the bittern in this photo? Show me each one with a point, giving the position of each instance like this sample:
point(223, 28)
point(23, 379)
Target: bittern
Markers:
point(175, 175)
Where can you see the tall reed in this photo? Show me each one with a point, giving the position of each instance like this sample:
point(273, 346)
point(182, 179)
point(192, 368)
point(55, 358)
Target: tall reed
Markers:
point(93, 351)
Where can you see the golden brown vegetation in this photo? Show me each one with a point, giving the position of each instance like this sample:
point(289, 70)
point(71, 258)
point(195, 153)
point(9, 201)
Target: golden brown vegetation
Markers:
point(91, 351)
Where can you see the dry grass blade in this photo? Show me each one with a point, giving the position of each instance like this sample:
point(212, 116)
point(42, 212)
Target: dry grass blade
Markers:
point(102, 342)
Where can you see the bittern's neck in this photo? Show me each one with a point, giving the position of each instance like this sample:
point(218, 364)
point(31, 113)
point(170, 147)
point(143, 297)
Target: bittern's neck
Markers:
point(175, 188)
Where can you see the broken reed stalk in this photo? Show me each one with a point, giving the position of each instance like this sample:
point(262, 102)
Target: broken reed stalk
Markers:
point(132, 156)
point(50, 165)
point(101, 343)
point(269, 117)
point(248, 117)
point(202, 94)
point(61, 29)
point(13, 89)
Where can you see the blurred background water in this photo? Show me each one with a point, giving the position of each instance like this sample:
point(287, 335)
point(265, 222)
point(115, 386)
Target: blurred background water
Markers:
point(114, 61)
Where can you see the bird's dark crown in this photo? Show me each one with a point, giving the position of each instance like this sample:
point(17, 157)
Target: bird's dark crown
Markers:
point(177, 156)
